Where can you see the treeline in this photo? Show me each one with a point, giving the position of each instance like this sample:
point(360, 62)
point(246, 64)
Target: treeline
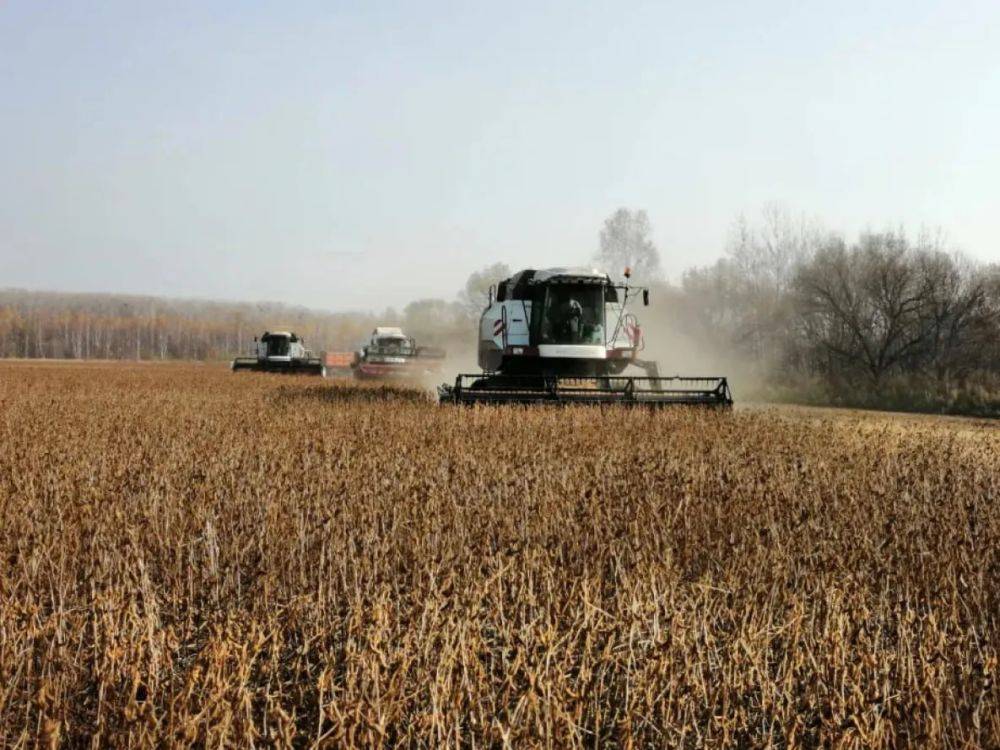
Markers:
point(106, 326)
point(59, 325)
point(882, 321)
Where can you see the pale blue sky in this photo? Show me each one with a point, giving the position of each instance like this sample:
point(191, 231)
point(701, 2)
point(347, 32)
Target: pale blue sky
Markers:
point(350, 156)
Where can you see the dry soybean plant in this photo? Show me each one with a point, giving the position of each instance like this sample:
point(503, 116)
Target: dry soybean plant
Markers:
point(191, 557)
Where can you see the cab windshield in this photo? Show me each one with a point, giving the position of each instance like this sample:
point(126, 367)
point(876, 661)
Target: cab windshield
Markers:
point(397, 346)
point(277, 346)
point(572, 314)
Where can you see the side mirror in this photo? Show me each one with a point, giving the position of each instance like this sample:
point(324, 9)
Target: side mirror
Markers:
point(255, 339)
point(493, 293)
point(645, 297)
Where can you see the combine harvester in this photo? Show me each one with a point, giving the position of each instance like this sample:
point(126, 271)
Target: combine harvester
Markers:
point(564, 335)
point(281, 351)
point(392, 355)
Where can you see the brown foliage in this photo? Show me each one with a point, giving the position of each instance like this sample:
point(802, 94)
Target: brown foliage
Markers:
point(193, 557)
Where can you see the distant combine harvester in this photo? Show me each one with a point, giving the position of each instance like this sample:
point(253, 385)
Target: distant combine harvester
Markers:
point(281, 351)
point(392, 355)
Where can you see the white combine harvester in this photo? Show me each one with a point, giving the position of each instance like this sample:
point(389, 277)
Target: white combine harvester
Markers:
point(564, 335)
point(391, 354)
point(280, 351)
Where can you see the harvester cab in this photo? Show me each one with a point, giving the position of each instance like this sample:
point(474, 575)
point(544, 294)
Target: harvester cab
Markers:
point(565, 335)
point(391, 354)
point(280, 351)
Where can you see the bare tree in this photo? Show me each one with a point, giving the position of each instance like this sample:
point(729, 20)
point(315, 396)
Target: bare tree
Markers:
point(955, 313)
point(865, 307)
point(434, 321)
point(768, 252)
point(744, 297)
point(474, 297)
point(625, 243)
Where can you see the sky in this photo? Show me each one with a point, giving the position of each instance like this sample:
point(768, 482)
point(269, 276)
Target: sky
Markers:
point(353, 156)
